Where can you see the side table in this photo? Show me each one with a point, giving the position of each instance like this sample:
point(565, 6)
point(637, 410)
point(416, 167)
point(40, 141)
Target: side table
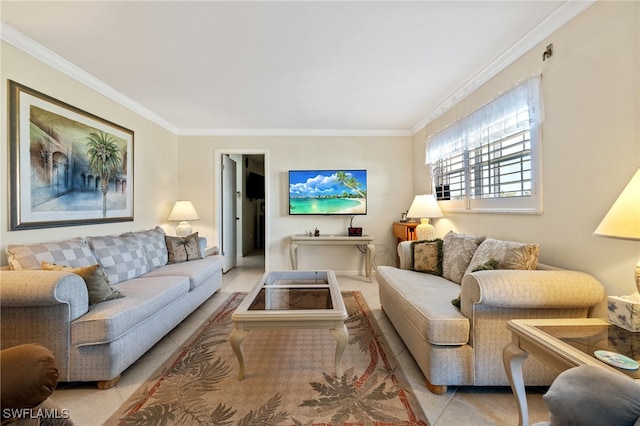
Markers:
point(405, 231)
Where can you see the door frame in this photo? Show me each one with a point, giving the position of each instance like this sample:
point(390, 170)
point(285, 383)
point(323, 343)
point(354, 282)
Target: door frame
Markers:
point(217, 208)
point(229, 212)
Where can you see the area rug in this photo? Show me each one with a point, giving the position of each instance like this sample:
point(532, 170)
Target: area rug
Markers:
point(289, 378)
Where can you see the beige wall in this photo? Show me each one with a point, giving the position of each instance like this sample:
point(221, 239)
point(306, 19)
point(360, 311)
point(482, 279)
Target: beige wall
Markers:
point(154, 172)
point(591, 143)
point(386, 159)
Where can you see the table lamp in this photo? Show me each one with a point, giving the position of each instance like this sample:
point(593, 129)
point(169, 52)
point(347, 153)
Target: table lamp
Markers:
point(424, 207)
point(623, 219)
point(183, 211)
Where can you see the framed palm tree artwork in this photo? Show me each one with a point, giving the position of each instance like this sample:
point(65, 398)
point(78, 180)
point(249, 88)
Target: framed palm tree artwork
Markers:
point(67, 166)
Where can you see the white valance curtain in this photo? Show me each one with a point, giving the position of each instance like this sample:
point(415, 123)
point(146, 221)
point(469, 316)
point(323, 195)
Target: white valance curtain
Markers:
point(516, 110)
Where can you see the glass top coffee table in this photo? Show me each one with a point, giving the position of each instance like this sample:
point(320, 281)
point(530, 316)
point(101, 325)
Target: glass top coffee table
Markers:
point(292, 299)
point(562, 344)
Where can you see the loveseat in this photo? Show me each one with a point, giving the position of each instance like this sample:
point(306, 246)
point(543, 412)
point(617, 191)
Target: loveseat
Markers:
point(453, 320)
point(102, 302)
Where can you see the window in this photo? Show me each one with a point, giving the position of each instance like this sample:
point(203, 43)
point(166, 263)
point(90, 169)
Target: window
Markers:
point(490, 160)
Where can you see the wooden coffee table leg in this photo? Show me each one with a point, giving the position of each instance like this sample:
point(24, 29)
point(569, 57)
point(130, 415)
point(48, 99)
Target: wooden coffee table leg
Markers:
point(341, 334)
point(513, 357)
point(236, 342)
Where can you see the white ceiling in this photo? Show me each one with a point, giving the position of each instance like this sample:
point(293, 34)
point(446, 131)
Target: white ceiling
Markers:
point(307, 67)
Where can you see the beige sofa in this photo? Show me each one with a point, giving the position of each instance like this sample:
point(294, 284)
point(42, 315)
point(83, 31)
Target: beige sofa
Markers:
point(463, 346)
point(144, 297)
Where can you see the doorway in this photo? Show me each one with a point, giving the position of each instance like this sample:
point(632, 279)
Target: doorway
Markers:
point(242, 206)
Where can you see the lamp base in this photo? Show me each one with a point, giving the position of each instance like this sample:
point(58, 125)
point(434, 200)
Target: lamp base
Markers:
point(425, 230)
point(183, 229)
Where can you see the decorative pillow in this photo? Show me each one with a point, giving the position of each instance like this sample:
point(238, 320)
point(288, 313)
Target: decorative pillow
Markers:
point(74, 252)
point(183, 249)
point(508, 254)
point(489, 265)
point(94, 277)
point(154, 246)
point(456, 302)
point(122, 258)
point(427, 256)
point(458, 252)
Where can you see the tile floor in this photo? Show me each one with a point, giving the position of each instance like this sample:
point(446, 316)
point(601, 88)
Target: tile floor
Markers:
point(459, 406)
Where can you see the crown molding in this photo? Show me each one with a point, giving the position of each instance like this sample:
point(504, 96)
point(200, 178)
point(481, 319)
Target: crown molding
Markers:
point(293, 132)
point(38, 51)
point(563, 14)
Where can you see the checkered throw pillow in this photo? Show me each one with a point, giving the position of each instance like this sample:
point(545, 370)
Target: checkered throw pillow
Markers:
point(74, 253)
point(154, 246)
point(122, 258)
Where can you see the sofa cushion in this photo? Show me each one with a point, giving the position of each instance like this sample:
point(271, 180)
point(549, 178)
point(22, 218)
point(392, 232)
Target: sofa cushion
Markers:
point(123, 258)
point(427, 256)
point(426, 302)
point(94, 278)
point(198, 271)
point(183, 249)
point(154, 246)
point(508, 254)
point(458, 252)
point(74, 252)
point(143, 299)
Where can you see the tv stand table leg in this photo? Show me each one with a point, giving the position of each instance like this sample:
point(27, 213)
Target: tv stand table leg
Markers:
point(293, 252)
point(368, 261)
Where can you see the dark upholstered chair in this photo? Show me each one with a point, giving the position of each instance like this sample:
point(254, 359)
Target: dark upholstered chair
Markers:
point(592, 396)
point(29, 375)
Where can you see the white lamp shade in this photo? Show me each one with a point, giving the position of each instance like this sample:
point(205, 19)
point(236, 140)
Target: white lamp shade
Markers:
point(424, 206)
point(623, 219)
point(183, 210)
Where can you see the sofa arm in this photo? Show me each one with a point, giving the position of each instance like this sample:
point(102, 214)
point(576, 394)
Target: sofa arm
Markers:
point(530, 289)
point(405, 255)
point(34, 288)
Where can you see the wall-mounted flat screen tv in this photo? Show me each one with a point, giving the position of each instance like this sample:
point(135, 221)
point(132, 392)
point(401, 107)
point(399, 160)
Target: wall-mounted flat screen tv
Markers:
point(327, 192)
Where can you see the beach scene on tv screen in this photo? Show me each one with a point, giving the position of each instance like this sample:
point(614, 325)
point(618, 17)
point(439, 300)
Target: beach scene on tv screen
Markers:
point(327, 192)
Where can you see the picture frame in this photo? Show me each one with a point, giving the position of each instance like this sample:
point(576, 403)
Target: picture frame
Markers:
point(67, 166)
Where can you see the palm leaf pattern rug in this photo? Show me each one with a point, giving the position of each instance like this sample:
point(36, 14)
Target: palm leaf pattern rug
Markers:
point(289, 379)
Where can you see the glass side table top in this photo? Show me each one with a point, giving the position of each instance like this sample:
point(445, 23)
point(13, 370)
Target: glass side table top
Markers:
point(591, 338)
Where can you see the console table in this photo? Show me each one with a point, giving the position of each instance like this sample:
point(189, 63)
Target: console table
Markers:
point(364, 240)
